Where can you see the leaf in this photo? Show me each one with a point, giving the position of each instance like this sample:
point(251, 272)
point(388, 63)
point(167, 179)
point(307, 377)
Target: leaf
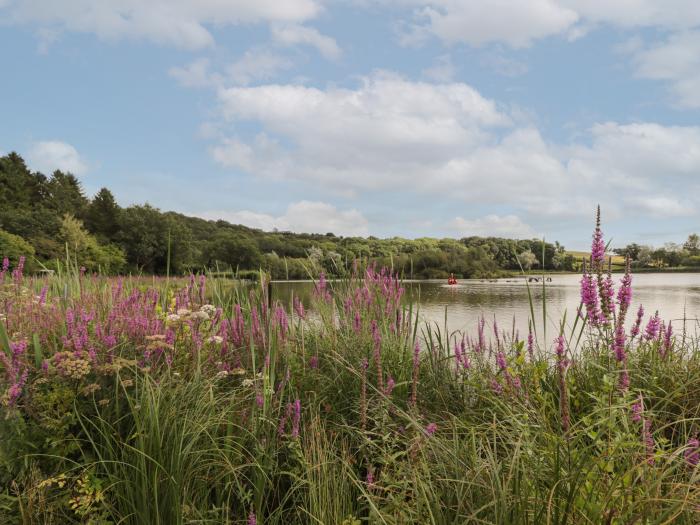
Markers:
point(38, 354)
point(5, 340)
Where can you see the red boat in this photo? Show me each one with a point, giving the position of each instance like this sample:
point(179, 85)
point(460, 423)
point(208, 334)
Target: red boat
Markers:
point(451, 279)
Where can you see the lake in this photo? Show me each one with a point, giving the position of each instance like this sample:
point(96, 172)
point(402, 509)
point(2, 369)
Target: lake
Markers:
point(674, 295)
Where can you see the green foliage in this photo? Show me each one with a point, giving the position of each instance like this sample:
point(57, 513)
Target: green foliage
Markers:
point(87, 251)
point(33, 206)
point(14, 247)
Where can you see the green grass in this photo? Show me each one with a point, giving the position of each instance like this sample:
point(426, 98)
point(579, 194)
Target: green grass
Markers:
point(182, 443)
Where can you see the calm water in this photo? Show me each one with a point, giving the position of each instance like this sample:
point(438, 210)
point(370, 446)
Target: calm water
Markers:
point(675, 296)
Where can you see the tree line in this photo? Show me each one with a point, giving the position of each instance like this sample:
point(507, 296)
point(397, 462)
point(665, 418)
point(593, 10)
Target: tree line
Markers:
point(49, 218)
point(670, 255)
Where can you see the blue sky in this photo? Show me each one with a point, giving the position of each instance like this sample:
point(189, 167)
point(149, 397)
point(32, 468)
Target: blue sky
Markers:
point(381, 117)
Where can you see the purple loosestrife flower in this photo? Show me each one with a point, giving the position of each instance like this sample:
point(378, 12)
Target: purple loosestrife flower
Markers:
point(430, 429)
point(16, 370)
point(496, 387)
point(299, 308)
point(18, 272)
point(357, 322)
point(530, 343)
point(624, 294)
point(321, 288)
point(634, 332)
point(252, 520)
point(692, 453)
point(370, 477)
point(282, 321)
point(589, 297)
point(313, 362)
point(598, 245)
point(668, 340)
point(638, 409)
point(607, 293)
point(390, 384)
point(501, 362)
point(481, 343)
point(651, 332)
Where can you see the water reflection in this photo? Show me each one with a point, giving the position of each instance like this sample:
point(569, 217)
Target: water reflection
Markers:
point(676, 296)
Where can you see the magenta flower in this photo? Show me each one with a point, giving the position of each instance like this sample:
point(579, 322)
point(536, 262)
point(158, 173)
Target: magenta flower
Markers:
point(651, 331)
point(637, 409)
point(634, 332)
point(624, 294)
point(692, 453)
point(668, 340)
point(589, 297)
point(252, 520)
point(390, 384)
point(598, 245)
point(501, 361)
point(299, 308)
point(430, 429)
point(370, 477)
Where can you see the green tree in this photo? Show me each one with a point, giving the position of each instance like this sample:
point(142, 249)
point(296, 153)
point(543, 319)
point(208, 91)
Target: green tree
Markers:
point(102, 216)
point(692, 245)
point(234, 251)
point(87, 250)
point(527, 259)
point(13, 247)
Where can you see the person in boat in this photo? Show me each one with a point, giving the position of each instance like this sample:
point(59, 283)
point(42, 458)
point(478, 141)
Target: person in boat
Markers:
point(452, 279)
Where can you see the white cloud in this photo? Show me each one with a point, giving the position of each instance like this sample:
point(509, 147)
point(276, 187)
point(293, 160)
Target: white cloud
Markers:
point(257, 64)
point(677, 61)
point(181, 23)
point(518, 23)
point(443, 70)
point(196, 74)
point(514, 22)
point(254, 65)
point(294, 34)
point(51, 155)
point(509, 226)
point(669, 14)
point(303, 217)
point(446, 139)
point(661, 206)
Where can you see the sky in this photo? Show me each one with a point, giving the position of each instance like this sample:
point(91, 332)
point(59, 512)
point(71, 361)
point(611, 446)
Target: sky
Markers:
point(441, 118)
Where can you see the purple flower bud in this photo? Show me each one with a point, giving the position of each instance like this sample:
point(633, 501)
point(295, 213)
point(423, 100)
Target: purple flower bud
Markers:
point(692, 453)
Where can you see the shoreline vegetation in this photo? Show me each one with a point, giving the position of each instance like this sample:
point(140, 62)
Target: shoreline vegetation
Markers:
point(45, 217)
point(190, 400)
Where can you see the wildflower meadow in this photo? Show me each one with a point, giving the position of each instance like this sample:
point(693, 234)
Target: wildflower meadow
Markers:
point(173, 400)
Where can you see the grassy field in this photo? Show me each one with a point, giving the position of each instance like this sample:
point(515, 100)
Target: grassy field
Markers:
point(173, 401)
